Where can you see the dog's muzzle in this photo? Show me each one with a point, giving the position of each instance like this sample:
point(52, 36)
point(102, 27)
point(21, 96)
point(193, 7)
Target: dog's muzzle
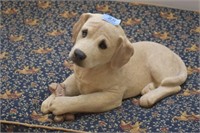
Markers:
point(78, 56)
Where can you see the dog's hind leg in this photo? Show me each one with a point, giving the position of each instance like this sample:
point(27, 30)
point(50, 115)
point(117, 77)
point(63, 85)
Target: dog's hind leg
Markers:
point(148, 88)
point(167, 76)
point(166, 87)
point(153, 96)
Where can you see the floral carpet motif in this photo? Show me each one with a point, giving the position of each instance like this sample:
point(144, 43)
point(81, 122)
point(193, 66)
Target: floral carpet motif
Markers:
point(35, 43)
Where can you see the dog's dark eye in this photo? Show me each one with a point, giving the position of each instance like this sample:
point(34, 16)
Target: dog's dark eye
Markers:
point(102, 44)
point(84, 33)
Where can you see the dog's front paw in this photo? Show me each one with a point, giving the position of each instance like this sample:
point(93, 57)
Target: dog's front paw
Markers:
point(52, 87)
point(45, 104)
point(45, 107)
point(57, 106)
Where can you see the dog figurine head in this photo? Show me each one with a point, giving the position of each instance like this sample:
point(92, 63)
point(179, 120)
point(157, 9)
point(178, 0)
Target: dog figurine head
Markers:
point(97, 42)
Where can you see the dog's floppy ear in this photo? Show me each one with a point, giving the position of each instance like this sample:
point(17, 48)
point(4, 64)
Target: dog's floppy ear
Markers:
point(77, 26)
point(122, 54)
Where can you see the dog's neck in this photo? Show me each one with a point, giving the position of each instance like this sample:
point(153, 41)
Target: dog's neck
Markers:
point(96, 69)
point(83, 73)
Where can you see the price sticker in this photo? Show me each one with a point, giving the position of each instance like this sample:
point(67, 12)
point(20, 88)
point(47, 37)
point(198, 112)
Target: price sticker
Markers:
point(111, 19)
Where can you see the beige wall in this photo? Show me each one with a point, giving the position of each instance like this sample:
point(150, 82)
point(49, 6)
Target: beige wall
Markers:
point(193, 5)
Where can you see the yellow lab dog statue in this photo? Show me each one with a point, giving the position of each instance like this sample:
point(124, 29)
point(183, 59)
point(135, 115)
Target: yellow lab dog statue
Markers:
point(108, 68)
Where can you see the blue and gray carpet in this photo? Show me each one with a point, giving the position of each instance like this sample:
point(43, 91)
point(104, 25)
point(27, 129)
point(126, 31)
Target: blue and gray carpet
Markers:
point(35, 42)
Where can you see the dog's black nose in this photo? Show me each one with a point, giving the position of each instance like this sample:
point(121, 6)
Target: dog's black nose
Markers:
point(79, 55)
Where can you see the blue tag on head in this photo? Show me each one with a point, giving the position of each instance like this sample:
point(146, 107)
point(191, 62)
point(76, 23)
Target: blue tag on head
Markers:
point(111, 19)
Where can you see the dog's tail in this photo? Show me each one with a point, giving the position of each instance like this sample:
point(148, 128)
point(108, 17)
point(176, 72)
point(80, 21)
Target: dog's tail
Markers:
point(179, 78)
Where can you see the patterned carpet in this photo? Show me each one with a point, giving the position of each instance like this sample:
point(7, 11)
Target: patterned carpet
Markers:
point(35, 42)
